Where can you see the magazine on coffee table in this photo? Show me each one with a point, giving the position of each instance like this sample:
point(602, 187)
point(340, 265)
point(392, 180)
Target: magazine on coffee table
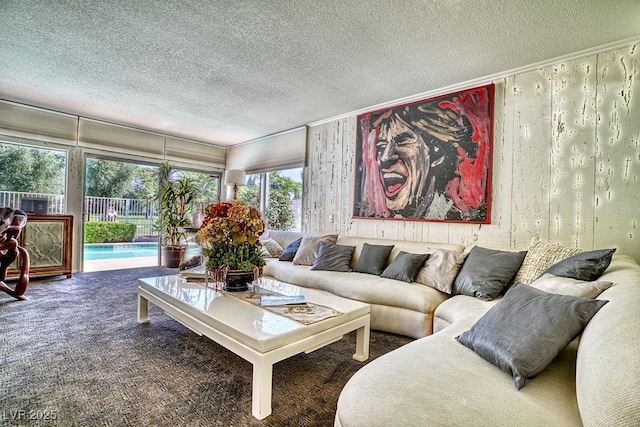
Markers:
point(282, 300)
point(195, 274)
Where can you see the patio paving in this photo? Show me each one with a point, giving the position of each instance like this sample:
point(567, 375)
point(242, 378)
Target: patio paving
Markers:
point(119, 263)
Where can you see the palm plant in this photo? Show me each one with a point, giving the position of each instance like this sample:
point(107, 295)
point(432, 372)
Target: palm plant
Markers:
point(176, 193)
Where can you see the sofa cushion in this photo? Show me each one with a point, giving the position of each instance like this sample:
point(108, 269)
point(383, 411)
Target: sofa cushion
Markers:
point(583, 266)
point(398, 246)
point(541, 256)
point(333, 257)
point(373, 259)
point(440, 269)
point(570, 286)
point(607, 367)
point(525, 331)
point(290, 251)
point(405, 267)
point(272, 248)
point(435, 381)
point(367, 288)
point(486, 272)
point(308, 250)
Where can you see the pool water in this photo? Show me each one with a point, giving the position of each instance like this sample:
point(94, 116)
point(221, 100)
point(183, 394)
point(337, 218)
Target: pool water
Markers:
point(94, 252)
point(119, 250)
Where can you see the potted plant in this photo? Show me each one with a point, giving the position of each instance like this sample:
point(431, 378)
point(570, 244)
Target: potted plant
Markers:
point(176, 193)
point(229, 237)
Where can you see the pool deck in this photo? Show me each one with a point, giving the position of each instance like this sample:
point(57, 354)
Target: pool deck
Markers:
point(119, 263)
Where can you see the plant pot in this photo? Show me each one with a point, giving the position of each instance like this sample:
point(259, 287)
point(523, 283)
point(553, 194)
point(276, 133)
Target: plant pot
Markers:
point(173, 255)
point(238, 280)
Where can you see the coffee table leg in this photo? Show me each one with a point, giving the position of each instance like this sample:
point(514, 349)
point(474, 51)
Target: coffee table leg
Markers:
point(143, 309)
point(362, 344)
point(261, 394)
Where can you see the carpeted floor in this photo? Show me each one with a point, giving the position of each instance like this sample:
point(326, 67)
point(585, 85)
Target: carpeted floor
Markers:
point(74, 352)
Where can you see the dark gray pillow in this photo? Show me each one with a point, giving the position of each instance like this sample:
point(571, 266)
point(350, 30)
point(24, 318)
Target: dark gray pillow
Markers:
point(525, 331)
point(333, 257)
point(486, 272)
point(583, 266)
point(290, 251)
point(373, 259)
point(405, 266)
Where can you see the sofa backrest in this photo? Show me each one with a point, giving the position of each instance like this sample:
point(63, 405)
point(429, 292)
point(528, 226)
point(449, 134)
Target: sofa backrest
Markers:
point(285, 237)
point(608, 361)
point(398, 245)
point(282, 237)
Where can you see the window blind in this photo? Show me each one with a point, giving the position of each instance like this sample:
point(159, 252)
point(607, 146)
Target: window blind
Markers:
point(35, 123)
point(284, 150)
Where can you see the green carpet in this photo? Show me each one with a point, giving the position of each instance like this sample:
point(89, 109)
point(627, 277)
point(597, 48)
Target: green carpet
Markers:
point(74, 352)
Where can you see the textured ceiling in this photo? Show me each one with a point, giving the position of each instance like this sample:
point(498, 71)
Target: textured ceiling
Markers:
point(229, 71)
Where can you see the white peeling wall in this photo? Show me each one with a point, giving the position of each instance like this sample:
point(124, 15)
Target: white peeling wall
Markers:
point(566, 164)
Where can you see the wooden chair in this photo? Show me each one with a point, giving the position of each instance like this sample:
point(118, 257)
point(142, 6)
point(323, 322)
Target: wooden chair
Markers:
point(13, 221)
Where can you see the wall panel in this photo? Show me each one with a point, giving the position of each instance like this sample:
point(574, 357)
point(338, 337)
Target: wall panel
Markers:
point(617, 175)
point(571, 199)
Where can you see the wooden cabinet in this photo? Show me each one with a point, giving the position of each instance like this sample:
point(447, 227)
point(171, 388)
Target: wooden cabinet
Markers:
point(49, 241)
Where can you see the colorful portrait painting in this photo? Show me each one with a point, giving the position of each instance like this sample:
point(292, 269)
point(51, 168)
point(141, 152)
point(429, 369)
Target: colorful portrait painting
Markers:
point(428, 160)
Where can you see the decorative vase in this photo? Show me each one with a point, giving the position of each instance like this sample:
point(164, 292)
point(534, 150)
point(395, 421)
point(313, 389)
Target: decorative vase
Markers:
point(238, 280)
point(173, 255)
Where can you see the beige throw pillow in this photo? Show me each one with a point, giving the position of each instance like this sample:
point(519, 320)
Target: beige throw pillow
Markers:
point(539, 258)
point(272, 248)
point(440, 269)
point(308, 250)
point(569, 286)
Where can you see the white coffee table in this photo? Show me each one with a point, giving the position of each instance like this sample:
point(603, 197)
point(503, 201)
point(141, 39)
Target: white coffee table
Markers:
point(253, 333)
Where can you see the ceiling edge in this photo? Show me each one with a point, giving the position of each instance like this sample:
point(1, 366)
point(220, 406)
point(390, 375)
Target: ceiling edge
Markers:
point(486, 79)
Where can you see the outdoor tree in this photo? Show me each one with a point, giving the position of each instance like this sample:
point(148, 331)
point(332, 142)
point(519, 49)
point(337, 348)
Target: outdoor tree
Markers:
point(33, 170)
point(282, 191)
point(207, 187)
point(106, 178)
point(250, 193)
point(278, 214)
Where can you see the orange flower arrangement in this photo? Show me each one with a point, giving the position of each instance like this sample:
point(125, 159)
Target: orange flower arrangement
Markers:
point(229, 236)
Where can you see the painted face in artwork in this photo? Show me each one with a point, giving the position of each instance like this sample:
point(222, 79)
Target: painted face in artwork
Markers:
point(403, 159)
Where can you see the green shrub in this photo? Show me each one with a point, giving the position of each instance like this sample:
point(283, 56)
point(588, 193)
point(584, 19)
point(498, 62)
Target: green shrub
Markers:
point(108, 232)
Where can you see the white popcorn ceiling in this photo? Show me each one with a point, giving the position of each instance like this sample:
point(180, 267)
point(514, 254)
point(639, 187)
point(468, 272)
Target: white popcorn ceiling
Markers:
point(226, 71)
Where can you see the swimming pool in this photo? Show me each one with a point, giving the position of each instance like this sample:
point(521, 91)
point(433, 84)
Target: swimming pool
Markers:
point(94, 252)
point(99, 251)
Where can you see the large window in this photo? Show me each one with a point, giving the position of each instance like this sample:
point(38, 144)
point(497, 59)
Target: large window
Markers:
point(278, 195)
point(32, 173)
point(251, 192)
point(126, 192)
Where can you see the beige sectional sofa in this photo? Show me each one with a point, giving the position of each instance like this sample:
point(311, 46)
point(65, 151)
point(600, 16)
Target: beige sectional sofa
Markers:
point(435, 380)
point(595, 381)
point(397, 307)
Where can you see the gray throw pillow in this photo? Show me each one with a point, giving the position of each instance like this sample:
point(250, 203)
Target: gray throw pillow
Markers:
point(373, 259)
point(486, 272)
point(525, 331)
point(333, 257)
point(583, 266)
point(308, 250)
point(405, 266)
point(290, 251)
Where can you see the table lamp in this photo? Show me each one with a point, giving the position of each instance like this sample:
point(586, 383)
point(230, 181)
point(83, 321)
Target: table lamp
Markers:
point(235, 177)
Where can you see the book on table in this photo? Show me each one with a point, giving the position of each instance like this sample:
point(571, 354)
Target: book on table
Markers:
point(282, 300)
point(193, 274)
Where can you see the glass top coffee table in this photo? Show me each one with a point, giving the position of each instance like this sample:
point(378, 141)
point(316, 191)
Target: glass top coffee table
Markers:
point(252, 332)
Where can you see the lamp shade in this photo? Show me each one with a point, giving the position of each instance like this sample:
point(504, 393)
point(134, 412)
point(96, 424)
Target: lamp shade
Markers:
point(235, 177)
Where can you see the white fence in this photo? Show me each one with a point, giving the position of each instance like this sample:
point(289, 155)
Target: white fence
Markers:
point(13, 200)
point(143, 213)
